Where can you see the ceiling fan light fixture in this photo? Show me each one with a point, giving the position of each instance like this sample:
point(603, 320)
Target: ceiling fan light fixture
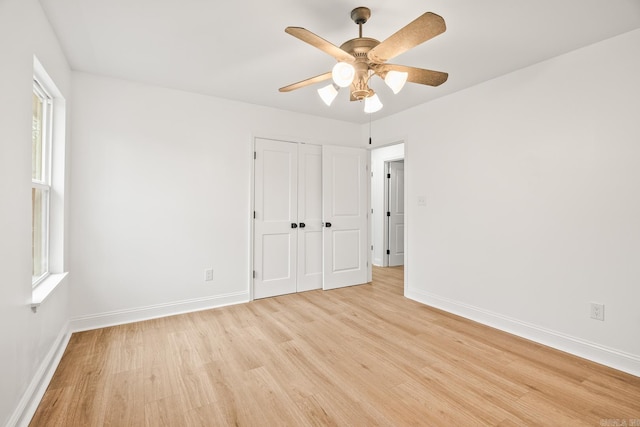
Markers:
point(396, 80)
point(362, 57)
point(372, 104)
point(343, 74)
point(328, 93)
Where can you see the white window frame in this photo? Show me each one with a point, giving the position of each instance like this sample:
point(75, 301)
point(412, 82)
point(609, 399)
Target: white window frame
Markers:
point(44, 184)
point(54, 178)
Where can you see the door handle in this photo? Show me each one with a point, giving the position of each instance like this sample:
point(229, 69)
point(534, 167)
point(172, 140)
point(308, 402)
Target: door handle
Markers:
point(327, 224)
point(303, 225)
point(294, 225)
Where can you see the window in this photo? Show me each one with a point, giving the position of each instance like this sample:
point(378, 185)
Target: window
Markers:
point(48, 158)
point(40, 181)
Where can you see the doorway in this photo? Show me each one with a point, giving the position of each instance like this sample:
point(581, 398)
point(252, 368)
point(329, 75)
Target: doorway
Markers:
point(381, 160)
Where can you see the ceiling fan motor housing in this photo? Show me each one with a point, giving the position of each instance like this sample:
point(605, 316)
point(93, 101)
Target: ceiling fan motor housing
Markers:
point(359, 48)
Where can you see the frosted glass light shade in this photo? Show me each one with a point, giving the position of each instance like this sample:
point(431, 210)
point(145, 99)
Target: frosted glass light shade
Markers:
point(328, 94)
point(396, 80)
point(343, 74)
point(372, 104)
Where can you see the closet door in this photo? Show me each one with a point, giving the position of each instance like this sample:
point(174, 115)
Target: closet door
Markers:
point(276, 203)
point(309, 217)
point(300, 188)
point(345, 240)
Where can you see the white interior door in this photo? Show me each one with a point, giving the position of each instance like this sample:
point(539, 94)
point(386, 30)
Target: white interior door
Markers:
point(345, 239)
point(276, 203)
point(396, 213)
point(309, 271)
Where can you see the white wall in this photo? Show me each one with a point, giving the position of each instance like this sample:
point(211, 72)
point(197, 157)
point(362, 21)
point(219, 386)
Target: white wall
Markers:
point(161, 191)
point(533, 200)
point(26, 338)
point(378, 188)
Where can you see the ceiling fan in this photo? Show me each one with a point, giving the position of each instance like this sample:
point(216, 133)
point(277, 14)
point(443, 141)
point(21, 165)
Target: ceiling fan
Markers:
point(361, 58)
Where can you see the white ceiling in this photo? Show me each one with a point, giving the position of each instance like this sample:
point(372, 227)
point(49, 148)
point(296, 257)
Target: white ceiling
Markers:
point(238, 50)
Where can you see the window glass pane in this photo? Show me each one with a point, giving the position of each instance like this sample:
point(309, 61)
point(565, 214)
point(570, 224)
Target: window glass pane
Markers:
point(39, 223)
point(36, 138)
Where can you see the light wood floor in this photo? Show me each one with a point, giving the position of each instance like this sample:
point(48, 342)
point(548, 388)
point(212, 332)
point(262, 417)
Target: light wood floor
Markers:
point(359, 356)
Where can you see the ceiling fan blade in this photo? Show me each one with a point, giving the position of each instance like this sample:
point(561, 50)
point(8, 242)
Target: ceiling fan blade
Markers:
point(307, 82)
point(418, 31)
point(317, 41)
point(416, 75)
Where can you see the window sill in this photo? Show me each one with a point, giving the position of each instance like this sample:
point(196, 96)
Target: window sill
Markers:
point(45, 288)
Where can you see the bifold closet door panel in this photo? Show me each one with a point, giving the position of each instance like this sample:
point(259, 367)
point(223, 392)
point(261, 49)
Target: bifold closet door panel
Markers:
point(345, 235)
point(309, 269)
point(276, 204)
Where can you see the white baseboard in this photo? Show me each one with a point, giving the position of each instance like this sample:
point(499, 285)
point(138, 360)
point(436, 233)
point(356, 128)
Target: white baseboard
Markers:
point(613, 358)
point(120, 317)
point(36, 389)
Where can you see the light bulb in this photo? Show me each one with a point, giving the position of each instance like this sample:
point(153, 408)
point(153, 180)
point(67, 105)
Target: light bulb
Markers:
point(372, 104)
point(343, 74)
point(396, 80)
point(328, 93)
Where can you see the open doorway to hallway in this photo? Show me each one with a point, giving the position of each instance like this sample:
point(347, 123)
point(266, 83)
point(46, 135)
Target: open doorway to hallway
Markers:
point(389, 279)
point(387, 205)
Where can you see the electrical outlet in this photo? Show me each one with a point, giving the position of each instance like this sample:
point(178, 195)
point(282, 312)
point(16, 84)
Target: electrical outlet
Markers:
point(597, 311)
point(208, 274)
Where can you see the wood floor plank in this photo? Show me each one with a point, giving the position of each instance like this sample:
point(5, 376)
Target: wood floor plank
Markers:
point(363, 355)
point(123, 399)
point(164, 412)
